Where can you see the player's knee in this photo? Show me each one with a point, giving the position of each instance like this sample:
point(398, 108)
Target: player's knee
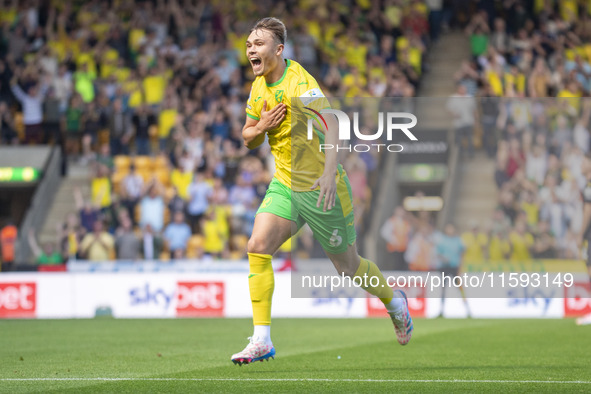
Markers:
point(257, 245)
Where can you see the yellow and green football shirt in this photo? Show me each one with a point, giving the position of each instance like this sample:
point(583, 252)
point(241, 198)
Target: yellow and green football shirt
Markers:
point(298, 161)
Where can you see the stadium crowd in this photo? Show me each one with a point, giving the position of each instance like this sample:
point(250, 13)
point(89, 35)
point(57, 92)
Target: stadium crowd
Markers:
point(150, 95)
point(521, 97)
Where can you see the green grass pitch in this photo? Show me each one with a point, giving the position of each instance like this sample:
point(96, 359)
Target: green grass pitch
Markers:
point(193, 355)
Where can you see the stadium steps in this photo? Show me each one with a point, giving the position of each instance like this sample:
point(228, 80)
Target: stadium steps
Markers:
point(478, 194)
point(444, 59)
point(64, 203)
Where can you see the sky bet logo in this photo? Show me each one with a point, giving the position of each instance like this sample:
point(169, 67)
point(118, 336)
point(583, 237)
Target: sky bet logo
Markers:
point(345, 129)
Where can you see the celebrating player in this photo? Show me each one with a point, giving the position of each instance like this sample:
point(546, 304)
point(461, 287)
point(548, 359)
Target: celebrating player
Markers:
point(319, 194)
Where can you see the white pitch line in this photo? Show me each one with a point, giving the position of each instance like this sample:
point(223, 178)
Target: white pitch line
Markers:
point(292, 380)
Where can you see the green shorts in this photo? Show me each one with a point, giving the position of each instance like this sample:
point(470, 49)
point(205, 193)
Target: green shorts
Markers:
point(334, 229)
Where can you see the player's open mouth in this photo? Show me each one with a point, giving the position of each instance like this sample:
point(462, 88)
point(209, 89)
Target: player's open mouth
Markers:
point(256, 63)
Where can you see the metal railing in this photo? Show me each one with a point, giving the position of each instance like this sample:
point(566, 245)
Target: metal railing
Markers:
point(40, 204)
point(451, 186)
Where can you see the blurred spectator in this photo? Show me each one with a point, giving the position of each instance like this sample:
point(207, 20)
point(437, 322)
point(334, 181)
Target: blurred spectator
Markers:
point(127, 243)
point(89, 213)
point(120, 132)
point(72, 122)
point(142, 121)
point(489, 116)
point(544, 242)
point(105, 159)
point(421, 254)
point(176, 203)
point(92, 123)
point(522, 243)
point(177, 233)
point(475, 242)
point(478, 31)
point(70, 234)
point(215, 240)
point(47, 255)
point(499, 247)
point(241, 193)
point(98, 245)
point(101, 188)
point(450, 249)
point(199, 193)
point(8, 237)
point(8, 133)
point(396, 232)
point(463, 109)
point(152, 207)
point(32, 103)
point(131, 190)
point(152, 243)
point(181, 179)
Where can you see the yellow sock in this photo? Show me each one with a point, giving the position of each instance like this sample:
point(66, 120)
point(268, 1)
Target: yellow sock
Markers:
point(382, 290)
point(261, 282)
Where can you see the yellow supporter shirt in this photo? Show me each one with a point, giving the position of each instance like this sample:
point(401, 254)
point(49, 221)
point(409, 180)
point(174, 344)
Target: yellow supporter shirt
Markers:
point(166, 121)
point(88, 59)
point(573, 99)
point(154, 86)
point(8, 15)
point(518, 81)
point(495, 83)
point(238, 45)
point(308, 161)
point(414, 58)
point(394, 15)
point(181, 180)
point(569, 10)
point(474, 245)
point(109, 63)
point(214, 243)
point(520, 245)
point(531, 212)
point(101, 191)
point(132, 88)
point(221, 219)
point(100, 29)
point(59, 48)
point(98, 251)
point(122, 74)
point(357, 57)
point(498, 249)
point(135, 37)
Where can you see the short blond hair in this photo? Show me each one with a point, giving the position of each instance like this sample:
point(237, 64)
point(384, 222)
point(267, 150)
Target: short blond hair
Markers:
point(274, 26)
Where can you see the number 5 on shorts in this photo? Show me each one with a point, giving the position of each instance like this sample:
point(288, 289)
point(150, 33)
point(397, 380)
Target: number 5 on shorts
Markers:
point(336, 239)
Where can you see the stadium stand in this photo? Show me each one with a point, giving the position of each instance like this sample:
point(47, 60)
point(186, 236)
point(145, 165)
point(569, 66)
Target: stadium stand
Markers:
point(529, 72)
point(150, 94)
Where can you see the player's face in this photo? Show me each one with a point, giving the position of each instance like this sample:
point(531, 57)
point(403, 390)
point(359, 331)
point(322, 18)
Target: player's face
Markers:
point(263, 52)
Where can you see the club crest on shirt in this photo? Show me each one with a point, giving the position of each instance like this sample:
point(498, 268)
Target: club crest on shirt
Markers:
point(266, 202)
point(278, 95)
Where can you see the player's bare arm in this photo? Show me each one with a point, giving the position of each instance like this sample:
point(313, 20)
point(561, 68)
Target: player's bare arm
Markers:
point(327, 183)
point(254, 130)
